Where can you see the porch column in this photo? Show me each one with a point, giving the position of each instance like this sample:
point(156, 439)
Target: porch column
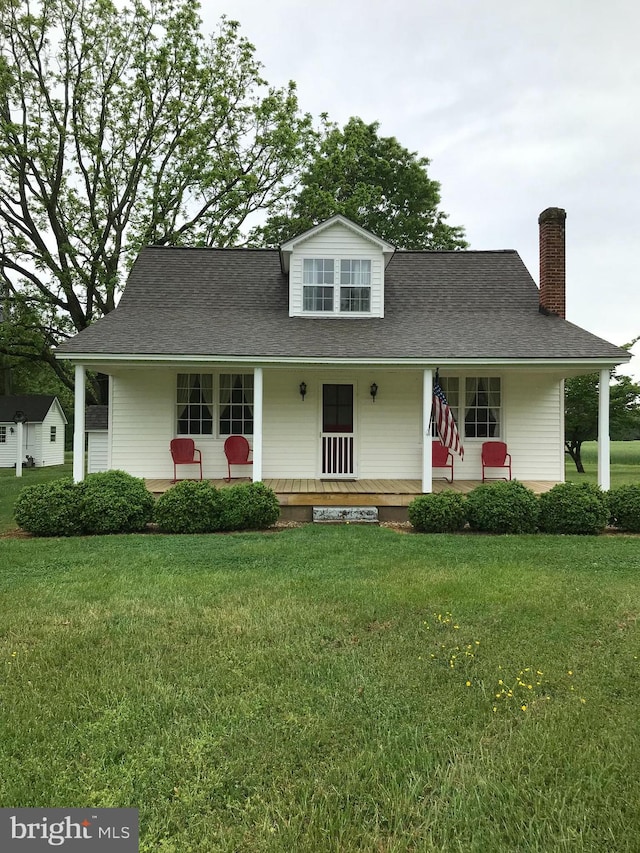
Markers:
point(427, 397)
point(78, 423)
point(604, 450)
point(257, 424)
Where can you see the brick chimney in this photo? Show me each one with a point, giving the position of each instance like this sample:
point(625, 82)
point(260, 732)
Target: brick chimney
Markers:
point(552, 261)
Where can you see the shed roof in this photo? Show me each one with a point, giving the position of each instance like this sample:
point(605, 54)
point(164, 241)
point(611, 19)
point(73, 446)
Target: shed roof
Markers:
point(96, 418)
point(35, 406)
point(234, 302)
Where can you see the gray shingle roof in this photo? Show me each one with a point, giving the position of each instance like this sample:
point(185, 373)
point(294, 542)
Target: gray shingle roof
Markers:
point(96, 418)
point(234, 302)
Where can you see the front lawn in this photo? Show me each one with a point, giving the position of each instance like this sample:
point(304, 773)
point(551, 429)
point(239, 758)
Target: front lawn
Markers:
point(328, 689)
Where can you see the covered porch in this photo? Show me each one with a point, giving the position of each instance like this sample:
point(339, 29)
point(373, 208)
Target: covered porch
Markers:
point(297, 497)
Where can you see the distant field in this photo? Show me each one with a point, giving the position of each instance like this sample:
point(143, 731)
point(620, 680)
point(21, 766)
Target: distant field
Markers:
point(625, 463)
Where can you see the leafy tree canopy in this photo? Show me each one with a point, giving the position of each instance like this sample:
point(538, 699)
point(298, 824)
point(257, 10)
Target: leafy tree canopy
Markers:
point(122, 125)
point(372, 180)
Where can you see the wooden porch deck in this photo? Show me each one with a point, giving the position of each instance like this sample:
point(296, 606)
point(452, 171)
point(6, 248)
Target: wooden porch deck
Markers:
point(306, 493)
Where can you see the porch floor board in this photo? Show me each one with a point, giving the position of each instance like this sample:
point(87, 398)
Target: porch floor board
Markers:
point(310, 492)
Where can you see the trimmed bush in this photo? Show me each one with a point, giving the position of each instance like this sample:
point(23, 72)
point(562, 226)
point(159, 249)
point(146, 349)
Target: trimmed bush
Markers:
point(438, 513)
point(624, 507)
point(574, 508)
point(248, 506)
point(49, 509)
point(189, 507)
point(506, 507)
point(114, 502)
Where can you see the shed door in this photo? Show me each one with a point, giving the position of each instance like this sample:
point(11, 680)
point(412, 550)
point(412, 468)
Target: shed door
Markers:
point(337, 431)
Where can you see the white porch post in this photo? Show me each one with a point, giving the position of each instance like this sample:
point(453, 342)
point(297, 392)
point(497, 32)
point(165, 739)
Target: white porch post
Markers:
point(257, 424)
point(427, 397)
point(604, 450)
point(78, 424)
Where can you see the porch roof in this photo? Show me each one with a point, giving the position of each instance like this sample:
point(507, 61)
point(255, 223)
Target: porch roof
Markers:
point(230, 303)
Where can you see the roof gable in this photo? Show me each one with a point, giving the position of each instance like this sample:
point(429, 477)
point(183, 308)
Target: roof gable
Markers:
point(296, 243)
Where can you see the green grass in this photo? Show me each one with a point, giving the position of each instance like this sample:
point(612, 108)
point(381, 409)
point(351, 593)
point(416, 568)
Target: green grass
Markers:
point(328, 689)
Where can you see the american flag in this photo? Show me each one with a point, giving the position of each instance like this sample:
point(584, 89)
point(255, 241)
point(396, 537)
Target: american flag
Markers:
point(445, 422)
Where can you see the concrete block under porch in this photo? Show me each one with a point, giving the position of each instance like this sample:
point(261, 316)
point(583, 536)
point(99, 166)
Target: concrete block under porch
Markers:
point(297, 497)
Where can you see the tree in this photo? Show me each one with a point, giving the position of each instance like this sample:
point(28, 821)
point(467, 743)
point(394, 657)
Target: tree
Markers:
point(371, 180)
point(121, 126)
point(581, 411)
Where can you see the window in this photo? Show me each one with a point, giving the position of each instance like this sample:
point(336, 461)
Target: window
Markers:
point(315, 298)
point(451, 387)
point(236, 404)
point(317, 279)
point(355, 298)
point(355, 281)
point(319, 275)
point(317, 271)
point(52, 434)
point(195, 404)
point(482, 407)
point(3, 435)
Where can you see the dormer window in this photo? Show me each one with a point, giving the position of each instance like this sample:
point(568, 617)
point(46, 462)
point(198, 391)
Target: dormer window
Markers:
point(355, 285)
point(336, 270)
point(318, 280)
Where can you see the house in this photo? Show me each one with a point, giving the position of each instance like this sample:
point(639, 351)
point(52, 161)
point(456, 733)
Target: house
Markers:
point(96, 425)
point(323, 353)
point(43, 431)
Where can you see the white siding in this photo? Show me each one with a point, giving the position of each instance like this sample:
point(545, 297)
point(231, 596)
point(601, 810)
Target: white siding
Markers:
point(8, 448)
point(143, 422)
point(388, 433)
point(533, 425)
point(337, 242)
point(97, 451)
point(51, 452)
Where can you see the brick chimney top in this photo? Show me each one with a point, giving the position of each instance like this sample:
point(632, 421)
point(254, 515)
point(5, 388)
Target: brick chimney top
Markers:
point(552, 261)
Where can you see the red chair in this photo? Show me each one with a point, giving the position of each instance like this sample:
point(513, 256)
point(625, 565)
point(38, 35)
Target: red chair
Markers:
point(494, 455)
point(183, 452)
point(236, 449)
point(441, 457)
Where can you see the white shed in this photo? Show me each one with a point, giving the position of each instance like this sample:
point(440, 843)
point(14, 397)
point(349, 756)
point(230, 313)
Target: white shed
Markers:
point(96, 424)
point(43, 433)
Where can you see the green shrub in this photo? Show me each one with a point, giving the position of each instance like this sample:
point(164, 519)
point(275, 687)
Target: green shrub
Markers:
point(189, 507)
point(49, 509)
point(248, 506)
point(573, 508)
point(624, 507)
point(114, 502)
point(507, 507)
point(443, 512)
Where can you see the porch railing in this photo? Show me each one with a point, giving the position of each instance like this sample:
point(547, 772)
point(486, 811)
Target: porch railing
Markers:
point(337, 454)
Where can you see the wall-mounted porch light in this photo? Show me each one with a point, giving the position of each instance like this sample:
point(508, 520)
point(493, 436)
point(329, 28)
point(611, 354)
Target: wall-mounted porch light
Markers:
point(303, 390)
point(373, 391)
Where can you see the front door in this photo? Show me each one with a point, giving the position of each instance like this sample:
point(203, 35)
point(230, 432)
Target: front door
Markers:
point(337, 431)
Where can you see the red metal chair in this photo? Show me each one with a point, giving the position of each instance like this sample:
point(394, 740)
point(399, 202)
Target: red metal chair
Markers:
point(494, 455)
point(441, 457)
point(183, 452)
point(236, 449)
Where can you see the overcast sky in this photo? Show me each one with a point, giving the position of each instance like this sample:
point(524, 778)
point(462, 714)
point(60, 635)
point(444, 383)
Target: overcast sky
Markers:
point(519, 105)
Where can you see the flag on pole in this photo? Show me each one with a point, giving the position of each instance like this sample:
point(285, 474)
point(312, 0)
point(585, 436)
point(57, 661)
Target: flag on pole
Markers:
point(445, 422)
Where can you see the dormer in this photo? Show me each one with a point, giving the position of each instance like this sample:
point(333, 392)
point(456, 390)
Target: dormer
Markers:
point(336, 270)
